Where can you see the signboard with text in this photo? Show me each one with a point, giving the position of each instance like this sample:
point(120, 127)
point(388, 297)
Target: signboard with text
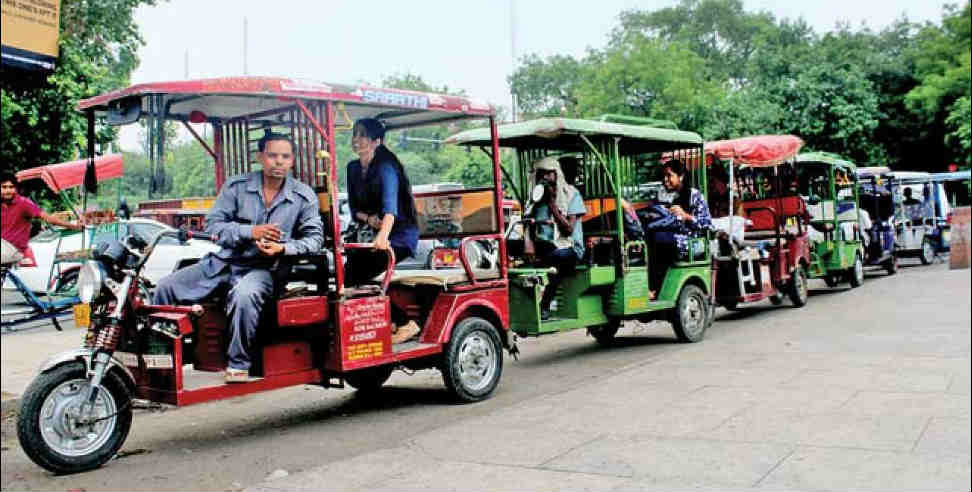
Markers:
point(29, 33)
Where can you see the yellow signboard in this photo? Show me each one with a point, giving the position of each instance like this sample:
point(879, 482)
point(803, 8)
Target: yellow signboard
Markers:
point(29, 33)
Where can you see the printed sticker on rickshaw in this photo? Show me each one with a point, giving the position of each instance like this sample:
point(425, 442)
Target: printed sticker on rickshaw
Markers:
point(158, 361)
point(82, 315)
point(127, 359)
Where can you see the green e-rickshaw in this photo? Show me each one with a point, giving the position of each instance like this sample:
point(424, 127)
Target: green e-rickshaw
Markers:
point(829, 185)
point(617, 163)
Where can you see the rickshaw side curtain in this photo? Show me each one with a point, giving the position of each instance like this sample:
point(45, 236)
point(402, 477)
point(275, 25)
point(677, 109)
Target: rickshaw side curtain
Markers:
point(66, 175)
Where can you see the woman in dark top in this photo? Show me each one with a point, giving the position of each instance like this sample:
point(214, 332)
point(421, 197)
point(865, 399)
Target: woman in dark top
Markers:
point(380, 196)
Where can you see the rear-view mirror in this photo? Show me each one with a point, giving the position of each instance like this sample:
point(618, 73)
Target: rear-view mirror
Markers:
point(124, 111)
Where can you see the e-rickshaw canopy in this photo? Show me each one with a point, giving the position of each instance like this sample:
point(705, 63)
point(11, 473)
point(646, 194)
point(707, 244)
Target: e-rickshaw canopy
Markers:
point(66, 175)
point(756, 151)
point(938, 178)
point(562, 134)
point(228, 98)
point(826, 158)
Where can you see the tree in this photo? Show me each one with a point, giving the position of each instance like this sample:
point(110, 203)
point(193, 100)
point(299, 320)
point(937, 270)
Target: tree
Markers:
point(547, 87)
point(98, 48)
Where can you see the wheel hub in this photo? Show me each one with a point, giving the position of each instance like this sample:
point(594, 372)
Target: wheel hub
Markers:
point(476, 361)
point(67, 428)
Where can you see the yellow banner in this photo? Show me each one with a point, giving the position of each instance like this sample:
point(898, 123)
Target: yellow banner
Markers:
point(31, 25)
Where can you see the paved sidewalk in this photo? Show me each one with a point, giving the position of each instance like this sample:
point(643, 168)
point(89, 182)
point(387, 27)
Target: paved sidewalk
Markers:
point(842, 403)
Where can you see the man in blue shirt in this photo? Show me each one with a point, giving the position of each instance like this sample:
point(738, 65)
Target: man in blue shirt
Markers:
point(257, 217)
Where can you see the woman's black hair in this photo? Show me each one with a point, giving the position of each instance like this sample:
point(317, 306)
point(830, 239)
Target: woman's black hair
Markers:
point(374, 128)
point(684, 199)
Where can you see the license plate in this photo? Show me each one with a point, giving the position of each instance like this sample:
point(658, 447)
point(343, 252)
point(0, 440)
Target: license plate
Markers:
point(82, 315)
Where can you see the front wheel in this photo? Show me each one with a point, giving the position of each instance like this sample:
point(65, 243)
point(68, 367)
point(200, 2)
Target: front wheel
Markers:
point(604, 334)
point(473, 360)
point(689, 318)
point(856, 274)
point(798, 291)
point(891, 265)
point(927, 252)
point(53, 429)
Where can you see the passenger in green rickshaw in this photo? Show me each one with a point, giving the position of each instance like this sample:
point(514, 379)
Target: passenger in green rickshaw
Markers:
point(691, 219)
point(558, 235)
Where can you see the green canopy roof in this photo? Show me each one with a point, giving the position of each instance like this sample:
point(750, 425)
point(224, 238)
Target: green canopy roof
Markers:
point(562, 134)
point(826, 158)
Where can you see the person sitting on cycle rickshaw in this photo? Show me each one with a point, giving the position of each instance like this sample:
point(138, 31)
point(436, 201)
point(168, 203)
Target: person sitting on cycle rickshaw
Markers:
point(18, 212)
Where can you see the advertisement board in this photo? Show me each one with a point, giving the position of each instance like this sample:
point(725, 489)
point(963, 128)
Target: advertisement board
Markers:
point(29, 33)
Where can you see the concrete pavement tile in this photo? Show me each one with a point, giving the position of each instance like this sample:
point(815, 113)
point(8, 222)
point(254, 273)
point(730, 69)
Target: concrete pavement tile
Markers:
point(450, 475)
point(766, 424)
point(499, 445)
point(612, 417)
point(865, 470)
point(812, 400)
point(908, 404)
point(947, 435)
point(353, 473)
point(961, 384)
point(674, 462)
point(874, 379)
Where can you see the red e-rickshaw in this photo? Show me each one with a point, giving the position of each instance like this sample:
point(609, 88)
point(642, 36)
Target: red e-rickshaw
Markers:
point(764, 248)
point(78, 411)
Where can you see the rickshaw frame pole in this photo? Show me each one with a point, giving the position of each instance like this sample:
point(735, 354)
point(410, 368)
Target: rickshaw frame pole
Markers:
point(498, 195)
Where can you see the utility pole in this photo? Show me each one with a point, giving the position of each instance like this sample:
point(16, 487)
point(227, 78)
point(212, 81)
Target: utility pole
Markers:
point(245, 72)
point(513, 51)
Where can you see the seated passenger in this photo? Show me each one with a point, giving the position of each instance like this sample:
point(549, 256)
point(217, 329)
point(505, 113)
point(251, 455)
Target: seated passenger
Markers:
point(380, 196)
point(257, 217)
point(560, 244)
point(692, 219)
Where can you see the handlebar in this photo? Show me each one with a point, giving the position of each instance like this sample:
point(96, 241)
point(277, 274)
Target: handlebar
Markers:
point(388, 270)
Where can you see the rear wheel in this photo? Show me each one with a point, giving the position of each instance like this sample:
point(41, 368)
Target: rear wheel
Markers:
point(51, 426)
point(604, 334)
point(856, 274)
point(927, 252)
point(798, 291)
point(473, 360)
point(690, 317)
point(368, 380)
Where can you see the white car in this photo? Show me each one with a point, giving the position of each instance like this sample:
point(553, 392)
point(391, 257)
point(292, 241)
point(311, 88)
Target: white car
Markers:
point(168, 256)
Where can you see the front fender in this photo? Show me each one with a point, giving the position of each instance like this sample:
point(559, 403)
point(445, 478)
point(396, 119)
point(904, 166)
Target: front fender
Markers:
point(84, 355)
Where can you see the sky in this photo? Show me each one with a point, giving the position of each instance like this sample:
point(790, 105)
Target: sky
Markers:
point(462, 45)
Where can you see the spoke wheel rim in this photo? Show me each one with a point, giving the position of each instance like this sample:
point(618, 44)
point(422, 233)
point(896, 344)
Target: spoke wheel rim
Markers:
point(476, 361)
point(61, 413)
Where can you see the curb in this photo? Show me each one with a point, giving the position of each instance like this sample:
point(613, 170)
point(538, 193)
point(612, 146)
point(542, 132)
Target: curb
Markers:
point(9, 405)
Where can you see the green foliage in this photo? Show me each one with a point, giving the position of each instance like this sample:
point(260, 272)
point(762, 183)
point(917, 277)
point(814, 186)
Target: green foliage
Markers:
point(97, 52)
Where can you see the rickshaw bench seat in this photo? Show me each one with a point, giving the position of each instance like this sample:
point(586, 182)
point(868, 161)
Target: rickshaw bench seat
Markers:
point(441, 277)
point(762, 220)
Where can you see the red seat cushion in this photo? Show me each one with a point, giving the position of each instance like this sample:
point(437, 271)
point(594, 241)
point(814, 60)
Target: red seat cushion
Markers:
point(763, 220)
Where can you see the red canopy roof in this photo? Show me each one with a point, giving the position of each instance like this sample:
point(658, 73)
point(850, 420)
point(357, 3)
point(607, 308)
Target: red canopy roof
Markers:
point(60, 177)
point(758, 151)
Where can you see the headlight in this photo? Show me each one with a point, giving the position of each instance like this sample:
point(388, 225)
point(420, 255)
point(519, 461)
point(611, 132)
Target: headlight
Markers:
point(90, 279)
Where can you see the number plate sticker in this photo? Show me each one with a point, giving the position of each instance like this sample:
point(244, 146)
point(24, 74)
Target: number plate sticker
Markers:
point(82, 315)
point(126, 358)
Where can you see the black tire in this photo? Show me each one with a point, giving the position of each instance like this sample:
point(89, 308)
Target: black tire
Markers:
point(29, 427)
point(368, 380)
point(604, 334)
point(475, 342)
point(798, 290)
point(831, 280)
point(891, 265)
point(855, 276)
point(927, 252)
point(690, 317)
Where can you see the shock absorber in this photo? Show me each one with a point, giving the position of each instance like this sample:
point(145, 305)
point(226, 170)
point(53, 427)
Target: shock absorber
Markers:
point(107, 338)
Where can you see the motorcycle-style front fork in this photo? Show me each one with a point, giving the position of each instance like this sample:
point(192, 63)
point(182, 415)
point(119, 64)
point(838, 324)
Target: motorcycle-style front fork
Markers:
point(96, 373)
